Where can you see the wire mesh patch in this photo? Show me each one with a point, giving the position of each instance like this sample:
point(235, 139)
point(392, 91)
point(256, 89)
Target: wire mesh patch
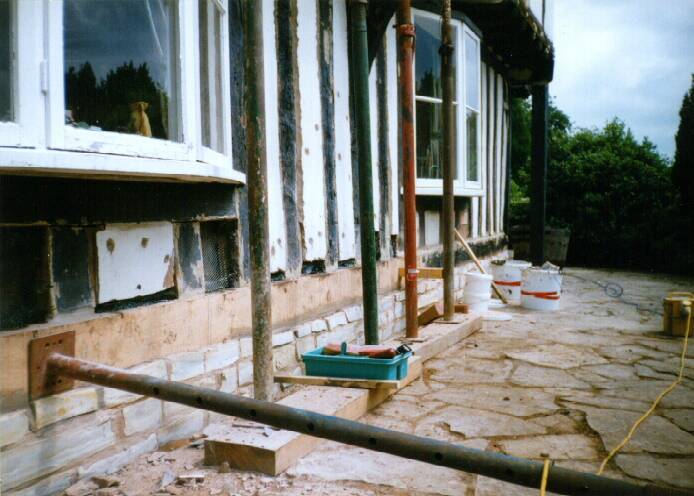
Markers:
point(219, 254)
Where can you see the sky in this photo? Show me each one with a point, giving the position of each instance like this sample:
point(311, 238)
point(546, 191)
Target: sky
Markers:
point(631, 59)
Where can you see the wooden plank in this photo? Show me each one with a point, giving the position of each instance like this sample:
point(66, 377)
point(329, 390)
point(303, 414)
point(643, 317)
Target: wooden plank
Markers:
point(337, 382)
point(424, 272)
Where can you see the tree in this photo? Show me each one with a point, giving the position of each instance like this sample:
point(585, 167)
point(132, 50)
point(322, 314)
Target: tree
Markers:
point(683, 167)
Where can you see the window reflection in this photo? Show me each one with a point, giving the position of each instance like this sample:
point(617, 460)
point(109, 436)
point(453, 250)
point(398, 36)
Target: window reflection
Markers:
point(6, 113)
point(472, 129)
point(119, 66)
point(210, 75)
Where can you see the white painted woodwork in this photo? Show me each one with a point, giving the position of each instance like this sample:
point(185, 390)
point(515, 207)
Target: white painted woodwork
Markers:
point(474, 217)
point(432, 227)
point(134, 260)
point(482, 231)
point(277, 231)
point(343, 137)
point(375, 152)
point(498, 155)
point(393, 128)
point(313, 198)
point(491, 156)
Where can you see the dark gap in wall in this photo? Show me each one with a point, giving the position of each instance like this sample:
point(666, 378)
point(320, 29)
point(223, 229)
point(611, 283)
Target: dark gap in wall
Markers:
point(278, 275)
point(481, 250)
point(384, 179)
point(113, 306)
point(325, 58)
point(236, 50)
point(353, 144)
point(378, 245)
point(394, 245)
point(25, 284)
point(344, 264)
point(189, 257)
point(289, 126)
point(70, 265)
point(219, 240)
point(313, 267)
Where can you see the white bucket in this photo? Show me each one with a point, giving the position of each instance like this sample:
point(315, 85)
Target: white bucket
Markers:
point(508, 277)
point(478, 291)
point(541, 289)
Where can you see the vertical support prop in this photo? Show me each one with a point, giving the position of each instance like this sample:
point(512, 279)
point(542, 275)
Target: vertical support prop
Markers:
point(360, 71)
point(509, 164)
point(406, 37)
point(538, 174)
point(254, 104)
point(449, 161)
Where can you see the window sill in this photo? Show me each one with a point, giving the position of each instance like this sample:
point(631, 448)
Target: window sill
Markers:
point(438, 191)
point(101, 166)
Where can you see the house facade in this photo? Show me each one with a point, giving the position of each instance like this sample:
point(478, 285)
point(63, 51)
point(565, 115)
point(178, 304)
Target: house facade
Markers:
point(123, 205)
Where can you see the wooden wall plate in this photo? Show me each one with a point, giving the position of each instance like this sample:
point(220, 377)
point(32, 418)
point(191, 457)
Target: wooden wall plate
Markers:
point(42, 382)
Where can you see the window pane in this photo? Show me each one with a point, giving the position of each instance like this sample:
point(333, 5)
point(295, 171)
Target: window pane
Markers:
point(211, 76)
point(427, 61)
point(5, 61)
point(429, 122)
point(119, 70)
point(472, 130)
point(472, 72)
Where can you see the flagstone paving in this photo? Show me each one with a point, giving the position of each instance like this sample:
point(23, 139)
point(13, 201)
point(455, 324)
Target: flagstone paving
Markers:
point(567, 384)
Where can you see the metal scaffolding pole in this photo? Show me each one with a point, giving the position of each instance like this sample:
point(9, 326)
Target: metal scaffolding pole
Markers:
point(254, 103)
point(406, 37)
point(449, 161)
point(499, 466)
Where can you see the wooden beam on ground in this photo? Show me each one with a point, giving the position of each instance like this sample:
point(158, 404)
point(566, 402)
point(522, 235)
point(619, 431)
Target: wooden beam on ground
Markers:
point(314, 380)
point(254, 447)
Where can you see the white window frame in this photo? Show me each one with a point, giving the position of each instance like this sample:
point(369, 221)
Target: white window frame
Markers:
point(40, 141)
point(461, 186)
point(477, 184)
point(22, 131)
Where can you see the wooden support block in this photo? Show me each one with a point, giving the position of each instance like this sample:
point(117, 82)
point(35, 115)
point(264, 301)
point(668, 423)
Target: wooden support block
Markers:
point(461, 308)
point(337, 382)
point(430, 313)
point(424, 272)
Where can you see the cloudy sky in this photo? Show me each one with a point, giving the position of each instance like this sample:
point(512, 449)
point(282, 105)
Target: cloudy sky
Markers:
point(632, 59)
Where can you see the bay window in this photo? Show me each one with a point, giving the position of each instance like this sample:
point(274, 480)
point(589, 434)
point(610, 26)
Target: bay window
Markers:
point(429, 106)
point(137, 87)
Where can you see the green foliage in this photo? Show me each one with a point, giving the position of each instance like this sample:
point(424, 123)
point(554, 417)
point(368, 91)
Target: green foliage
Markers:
point(683, 167)
point(613, 192)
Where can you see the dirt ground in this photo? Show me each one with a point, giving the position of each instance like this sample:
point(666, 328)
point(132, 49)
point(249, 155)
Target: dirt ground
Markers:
point(567, 384)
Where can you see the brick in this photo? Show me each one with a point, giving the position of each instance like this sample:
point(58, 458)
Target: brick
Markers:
point(284, 356)
point(182, 428)
point(346, 333)
point(27, 461)
point(49, 486)
point(282, 338)
point(230, 380)
point(222, 355)
point(400, 296)
point(246, 347)
point(113, 463)
point(303, 330)
point(52, 409)
point(304, 345)
point(187, 365)
point(245, 373)
point(156, 368)
point(319, 325)
point(386, 303)
point(142, 416)
point(354, 313)
point(336, 320)
point(13, 427)
point(399, 309)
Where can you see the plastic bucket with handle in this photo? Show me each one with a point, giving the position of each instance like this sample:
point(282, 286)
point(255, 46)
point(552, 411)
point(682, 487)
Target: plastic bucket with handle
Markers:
point(541, 289)
point(508, 277)
point(478, 291)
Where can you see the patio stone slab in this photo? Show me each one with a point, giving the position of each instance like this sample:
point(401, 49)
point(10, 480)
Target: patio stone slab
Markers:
point(558, 447)
point(519, 402)
point(667, 471)
point(534, 376)
point(558, 356)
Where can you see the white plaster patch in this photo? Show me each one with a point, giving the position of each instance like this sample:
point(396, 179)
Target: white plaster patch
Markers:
point(432, 228)
point(134, 260)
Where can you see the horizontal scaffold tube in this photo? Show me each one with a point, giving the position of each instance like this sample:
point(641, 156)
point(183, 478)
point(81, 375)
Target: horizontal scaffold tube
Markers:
point(496, 465)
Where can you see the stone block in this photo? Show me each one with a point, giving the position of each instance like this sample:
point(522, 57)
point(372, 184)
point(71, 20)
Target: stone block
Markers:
point(246, 347)
point(400, 296)
point(182, 428)
point(113, 463)
point(354, 313)
point(346, 333)
point(245, 373)
point(399, 309)
point(142, 416)
point(302, 330)
point(27, 461)
point(13, 427)
point(187, 365)
point(336, 320)
point(229, 380)
point(304, 345)
point(385, 303)
point(156, 368)
point(284, 356)
point(63, 406)
point(282, 338)
point(49, 486)
point(319, 325)
point(222, 355)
